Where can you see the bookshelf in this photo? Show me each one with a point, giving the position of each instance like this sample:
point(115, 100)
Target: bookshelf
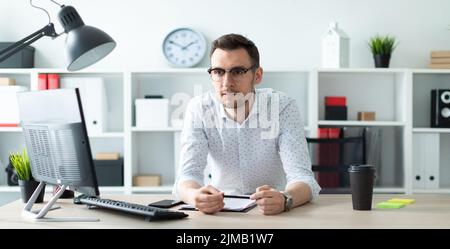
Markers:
point(399, 97)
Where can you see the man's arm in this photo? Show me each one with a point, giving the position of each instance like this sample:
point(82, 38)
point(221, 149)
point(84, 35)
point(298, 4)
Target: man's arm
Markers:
point(294, 154)
point(271, 201)
point(193, 160)
point(206, 199)
point(300, 192)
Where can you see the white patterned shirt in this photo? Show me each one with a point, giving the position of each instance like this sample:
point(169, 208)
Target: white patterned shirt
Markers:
point(245, 156)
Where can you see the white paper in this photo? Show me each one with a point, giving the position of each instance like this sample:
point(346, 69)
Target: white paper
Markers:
point(232, 204)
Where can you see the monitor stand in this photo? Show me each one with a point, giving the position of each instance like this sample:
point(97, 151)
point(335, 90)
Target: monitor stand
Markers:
point(39, 215)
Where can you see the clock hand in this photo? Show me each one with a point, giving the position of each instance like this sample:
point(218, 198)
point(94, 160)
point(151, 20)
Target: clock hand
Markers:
point(185, 47)
point(176, 44)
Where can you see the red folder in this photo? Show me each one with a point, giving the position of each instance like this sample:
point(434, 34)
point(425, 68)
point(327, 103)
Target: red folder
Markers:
point(328, 155)
point(53, 81)
point(42, 81)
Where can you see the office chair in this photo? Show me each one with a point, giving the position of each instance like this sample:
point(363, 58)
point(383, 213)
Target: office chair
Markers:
point(331, 157)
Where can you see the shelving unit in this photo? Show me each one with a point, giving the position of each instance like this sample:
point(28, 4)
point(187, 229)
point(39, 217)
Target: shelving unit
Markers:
point(399, 97)
point(431, 171)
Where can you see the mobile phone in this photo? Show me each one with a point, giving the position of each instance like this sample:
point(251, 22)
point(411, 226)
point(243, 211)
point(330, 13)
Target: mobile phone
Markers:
point(165, 203)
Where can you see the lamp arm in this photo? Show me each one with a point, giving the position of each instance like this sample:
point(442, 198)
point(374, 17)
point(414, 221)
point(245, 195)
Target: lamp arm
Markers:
point(48, 30)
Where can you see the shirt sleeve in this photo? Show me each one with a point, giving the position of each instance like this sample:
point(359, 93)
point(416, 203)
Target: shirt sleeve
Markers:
point(194, 148)
point(293, 149)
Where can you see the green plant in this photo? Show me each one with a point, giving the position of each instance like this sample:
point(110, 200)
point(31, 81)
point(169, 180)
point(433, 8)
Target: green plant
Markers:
point(382, 44)
point(21, 164)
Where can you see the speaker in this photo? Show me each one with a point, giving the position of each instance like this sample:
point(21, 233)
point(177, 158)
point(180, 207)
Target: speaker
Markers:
point(440, 108)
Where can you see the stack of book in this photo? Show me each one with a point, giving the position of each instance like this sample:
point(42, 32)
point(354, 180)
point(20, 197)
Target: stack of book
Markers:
point(440, 59)
point(5, 81)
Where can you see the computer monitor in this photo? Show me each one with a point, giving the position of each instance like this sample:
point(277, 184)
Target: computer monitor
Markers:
point(58, 145)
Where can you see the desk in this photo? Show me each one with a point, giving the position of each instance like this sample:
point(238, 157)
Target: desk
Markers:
point(329, 211)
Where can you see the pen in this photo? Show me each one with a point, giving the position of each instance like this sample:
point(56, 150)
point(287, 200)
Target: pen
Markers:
point(238, 196)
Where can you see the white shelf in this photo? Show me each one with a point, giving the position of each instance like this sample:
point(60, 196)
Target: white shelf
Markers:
point(172, 71)
point(362, 70)
point(165, 188)
point(16, 189)
point(399, 87)
point(431, 71)
point(10, 189)
point(389, 190)
point(360, 123)
point(431, 130)
point(168, 129)
point(107, 135)
point(111, 189)
point(432, 191)
point(10, 129)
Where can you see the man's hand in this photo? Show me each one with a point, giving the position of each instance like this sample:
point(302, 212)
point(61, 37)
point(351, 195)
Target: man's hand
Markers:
point(208, 200)
point(269, 200)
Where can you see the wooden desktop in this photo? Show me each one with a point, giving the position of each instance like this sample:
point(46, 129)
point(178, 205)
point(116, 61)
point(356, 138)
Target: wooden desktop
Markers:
point(329, 211)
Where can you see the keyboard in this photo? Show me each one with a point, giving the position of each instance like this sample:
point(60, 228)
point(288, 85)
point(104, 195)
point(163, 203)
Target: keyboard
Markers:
point(150, 213)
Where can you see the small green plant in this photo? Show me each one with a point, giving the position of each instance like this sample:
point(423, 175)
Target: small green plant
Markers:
point(382, 44)
point(21, 164)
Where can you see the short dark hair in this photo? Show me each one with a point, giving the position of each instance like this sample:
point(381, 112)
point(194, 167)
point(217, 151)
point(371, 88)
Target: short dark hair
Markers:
point(236, 41)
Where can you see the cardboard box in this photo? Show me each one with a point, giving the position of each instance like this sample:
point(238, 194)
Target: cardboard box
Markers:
point(366, 116)
point(107, 156)
point(5, 81)
point(147, 180)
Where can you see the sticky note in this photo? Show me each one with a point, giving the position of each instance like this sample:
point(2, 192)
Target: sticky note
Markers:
point(390, 205)
point(400, 200)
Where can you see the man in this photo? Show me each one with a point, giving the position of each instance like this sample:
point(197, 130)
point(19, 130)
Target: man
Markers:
point(227, 129)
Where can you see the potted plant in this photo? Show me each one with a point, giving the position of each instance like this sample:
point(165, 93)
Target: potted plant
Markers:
point(28, 185)
point(382, 48)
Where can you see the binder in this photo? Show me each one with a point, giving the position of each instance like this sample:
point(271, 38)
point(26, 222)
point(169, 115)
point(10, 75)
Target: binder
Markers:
point(52, 81)
point(42, 81)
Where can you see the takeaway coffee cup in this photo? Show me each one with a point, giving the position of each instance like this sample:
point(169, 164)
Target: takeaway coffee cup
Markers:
point(361, 183)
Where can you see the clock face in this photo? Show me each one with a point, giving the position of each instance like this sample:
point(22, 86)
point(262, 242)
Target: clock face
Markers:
point(184, 47)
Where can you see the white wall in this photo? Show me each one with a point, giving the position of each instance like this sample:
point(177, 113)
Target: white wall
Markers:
point(287, 32)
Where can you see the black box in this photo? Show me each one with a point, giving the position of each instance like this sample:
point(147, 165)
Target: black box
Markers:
point(22, 59)
point(109, 172)
point(333, 112)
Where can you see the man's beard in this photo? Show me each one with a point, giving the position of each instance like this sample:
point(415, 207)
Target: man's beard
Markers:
point(237, 100)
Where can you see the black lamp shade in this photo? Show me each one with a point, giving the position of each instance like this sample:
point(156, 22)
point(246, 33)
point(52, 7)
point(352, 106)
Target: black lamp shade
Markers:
point(86, 45)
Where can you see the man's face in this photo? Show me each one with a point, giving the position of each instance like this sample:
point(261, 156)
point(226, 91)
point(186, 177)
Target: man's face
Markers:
point(231, 86)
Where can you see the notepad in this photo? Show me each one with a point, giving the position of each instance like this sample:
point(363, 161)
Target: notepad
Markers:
point(390, 205)
point(233, 203)
point(401, 200)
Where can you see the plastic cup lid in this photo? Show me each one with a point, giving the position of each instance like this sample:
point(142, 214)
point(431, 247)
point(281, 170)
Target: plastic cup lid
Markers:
point(361, 167)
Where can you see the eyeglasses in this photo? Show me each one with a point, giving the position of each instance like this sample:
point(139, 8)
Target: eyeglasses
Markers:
point(237, 73)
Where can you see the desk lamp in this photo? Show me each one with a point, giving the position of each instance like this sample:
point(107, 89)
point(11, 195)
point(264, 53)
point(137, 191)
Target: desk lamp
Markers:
point(85, 45)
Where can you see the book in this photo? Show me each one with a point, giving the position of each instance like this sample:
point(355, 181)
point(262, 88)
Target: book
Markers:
point(5, 81)
point(443, 60)
point(439, 66)
point(233, 203)
point(107, 156)
point(440, 54)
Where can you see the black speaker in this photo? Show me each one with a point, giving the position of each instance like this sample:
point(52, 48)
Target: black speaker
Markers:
point(12, 178)
point(440, 108)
